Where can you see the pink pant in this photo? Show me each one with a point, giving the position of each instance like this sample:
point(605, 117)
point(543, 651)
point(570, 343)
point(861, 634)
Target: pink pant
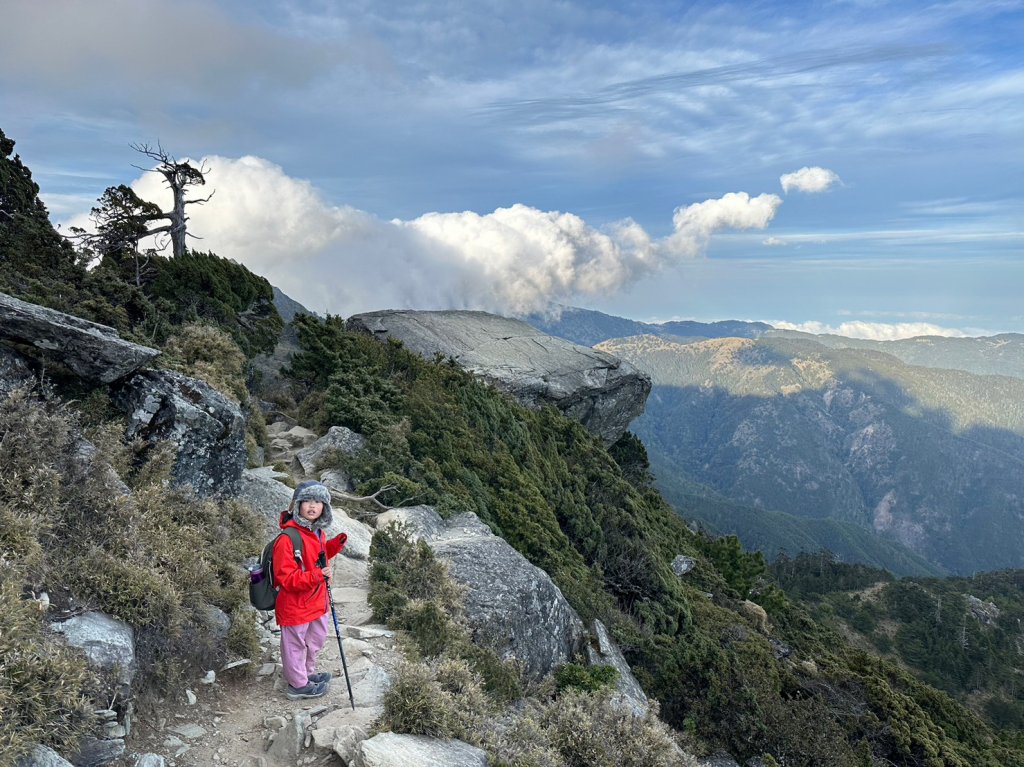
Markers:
point(299, 648)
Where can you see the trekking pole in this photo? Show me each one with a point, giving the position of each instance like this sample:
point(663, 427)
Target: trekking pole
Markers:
point(337, 632)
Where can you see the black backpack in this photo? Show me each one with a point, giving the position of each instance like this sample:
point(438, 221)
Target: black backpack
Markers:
point(263, 593)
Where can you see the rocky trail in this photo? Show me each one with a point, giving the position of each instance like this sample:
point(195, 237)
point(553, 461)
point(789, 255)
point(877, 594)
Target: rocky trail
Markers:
point(242, 717)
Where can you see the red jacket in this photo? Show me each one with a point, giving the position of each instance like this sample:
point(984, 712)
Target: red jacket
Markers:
point(303, 595)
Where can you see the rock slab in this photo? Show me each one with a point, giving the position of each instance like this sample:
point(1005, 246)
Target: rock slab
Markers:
point(604, 652)
point(391, 750)
point(92, 351)
point(108, 643)
point(511, 605)
point(41, 756)
point(594, 387)
point(207, 428)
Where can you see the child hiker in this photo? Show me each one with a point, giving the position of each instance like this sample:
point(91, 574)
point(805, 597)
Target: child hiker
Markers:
point(302, 602)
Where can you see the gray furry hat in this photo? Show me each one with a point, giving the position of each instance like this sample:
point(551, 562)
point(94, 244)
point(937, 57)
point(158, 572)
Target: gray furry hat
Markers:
point(311, 490)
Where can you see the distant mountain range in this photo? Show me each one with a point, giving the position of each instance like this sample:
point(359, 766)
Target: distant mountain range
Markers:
point(796, 442)
point(587, 327)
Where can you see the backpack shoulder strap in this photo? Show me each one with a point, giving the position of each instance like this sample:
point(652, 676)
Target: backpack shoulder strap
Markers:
point(296, 538)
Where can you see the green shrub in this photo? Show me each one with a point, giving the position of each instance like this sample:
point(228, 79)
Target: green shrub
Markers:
point(416, 704)
point(585, 678)
point(43, 683)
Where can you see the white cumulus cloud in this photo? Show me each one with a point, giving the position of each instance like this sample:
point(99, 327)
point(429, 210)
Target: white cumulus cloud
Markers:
point(875, 331)
point(810, 180)
point(514, 260)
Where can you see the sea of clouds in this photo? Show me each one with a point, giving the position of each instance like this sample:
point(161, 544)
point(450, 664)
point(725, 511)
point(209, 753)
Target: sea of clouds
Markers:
point(514, 260)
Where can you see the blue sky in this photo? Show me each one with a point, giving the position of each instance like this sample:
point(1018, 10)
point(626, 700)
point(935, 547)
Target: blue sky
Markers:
point(620, 156)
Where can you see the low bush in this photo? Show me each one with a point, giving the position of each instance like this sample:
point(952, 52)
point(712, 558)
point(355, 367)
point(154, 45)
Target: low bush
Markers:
point(155, 557)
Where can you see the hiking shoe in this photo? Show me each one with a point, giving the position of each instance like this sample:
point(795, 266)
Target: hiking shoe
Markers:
point(320, 676)
point(311, 690)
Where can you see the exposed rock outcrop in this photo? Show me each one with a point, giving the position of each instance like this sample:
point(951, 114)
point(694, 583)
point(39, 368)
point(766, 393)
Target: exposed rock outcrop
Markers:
point(108, 643)
point(511, 605)
point(94, 352)
point(15, 372)
point(391, 750)
point(603, 651)
point(602, 391)
point(207, 428)
point(337, 439)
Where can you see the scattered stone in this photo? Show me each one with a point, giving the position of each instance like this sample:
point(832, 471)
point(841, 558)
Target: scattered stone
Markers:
point(369, 632)
point(267, 669)
point(347, 740)
point(287, 743)
point(337, 439)
point(105, 714)
point(150, 760)
point(236, 664)
point(190, 731)
point(190, 697)
point(96, 753)
point(370, 689)
point(112, 730)
point(274, 722)
point(173, 742)
point(681, 565)
point(210, 678)
point(41, 756)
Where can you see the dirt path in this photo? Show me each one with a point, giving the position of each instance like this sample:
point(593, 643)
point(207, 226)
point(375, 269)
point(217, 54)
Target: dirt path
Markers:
point(232, 719)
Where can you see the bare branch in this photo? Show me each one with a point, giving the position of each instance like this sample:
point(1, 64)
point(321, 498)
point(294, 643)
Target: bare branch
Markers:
point(202, 200)
point(366, 498)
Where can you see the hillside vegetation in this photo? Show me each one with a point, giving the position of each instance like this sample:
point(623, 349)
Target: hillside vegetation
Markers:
point(587, 515)
point(961, 635)
point(930, 459)
point(542, 482)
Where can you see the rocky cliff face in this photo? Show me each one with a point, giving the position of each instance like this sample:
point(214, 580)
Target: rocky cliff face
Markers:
point(594, 387)
point(924, 457)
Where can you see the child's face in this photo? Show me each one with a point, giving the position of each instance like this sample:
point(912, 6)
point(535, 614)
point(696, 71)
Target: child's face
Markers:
point(311, 509)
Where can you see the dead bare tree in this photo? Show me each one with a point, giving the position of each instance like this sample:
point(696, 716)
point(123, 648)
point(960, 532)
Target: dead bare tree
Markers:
point(179, 177)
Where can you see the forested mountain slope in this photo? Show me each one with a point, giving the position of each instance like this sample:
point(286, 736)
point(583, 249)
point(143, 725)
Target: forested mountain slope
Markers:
point(929, 458)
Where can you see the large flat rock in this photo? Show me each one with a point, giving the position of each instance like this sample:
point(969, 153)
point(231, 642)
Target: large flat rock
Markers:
point(94, 352)
point(594, 387)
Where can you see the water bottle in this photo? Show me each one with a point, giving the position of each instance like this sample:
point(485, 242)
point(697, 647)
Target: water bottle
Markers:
point(255, 572)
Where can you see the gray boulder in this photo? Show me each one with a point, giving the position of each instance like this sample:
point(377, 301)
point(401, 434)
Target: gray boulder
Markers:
point(602, 651)
point(41, 756)
point(391, 750)
point(108, 643)
point(150, 760)
point(683, 564)
point(93, 752)
point(511, 605)
point(337, 439)
point(15, 372)
point(94, 352)
point(206, 427)
point(264, 492)
point(599, 390)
